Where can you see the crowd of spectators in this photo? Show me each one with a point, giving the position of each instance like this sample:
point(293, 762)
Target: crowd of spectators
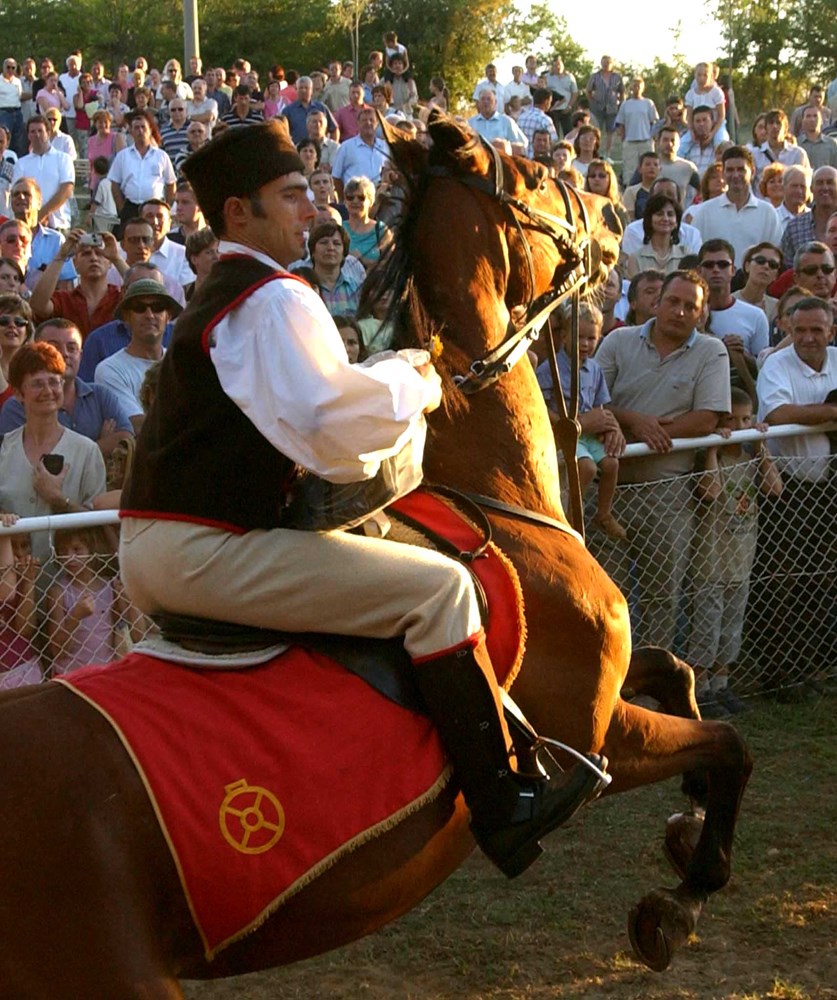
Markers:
point(720, 309)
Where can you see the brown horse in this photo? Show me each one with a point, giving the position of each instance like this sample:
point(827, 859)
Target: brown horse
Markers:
point(90, 901)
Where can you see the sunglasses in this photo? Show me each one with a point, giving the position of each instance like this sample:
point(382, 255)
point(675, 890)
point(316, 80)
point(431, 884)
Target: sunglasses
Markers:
point(145, 240)
point(721, 265)
point(355, 197)
point(141, 307)
point(766, 262)
point(811, 269)
point(17, 321)
point(596, 177)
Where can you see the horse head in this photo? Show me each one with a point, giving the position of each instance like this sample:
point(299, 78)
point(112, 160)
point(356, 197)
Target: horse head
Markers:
point(487, 236)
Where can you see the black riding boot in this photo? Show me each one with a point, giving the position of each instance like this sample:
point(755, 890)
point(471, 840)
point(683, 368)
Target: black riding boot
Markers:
point(510, 812)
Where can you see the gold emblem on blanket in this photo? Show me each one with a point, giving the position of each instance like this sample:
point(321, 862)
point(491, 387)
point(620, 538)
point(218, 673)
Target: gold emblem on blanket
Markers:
point(252, 818)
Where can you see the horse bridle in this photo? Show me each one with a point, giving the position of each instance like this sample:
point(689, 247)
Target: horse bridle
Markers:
point(577, 256)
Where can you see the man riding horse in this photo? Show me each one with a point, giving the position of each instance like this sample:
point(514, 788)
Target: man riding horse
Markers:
point(256, 385)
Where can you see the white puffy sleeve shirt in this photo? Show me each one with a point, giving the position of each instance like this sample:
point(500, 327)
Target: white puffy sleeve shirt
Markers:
point(280, 359)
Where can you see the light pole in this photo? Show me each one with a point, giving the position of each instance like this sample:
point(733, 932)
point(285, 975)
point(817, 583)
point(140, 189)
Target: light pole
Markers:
point(191, 31)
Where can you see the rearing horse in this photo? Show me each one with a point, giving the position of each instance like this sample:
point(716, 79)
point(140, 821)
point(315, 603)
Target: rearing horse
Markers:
point(90, 900)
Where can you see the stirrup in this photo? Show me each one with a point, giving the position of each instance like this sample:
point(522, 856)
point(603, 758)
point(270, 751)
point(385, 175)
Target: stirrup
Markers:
point(518, 722)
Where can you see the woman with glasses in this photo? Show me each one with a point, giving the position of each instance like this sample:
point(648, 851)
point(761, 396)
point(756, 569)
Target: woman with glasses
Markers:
point(368, 237)
point(601, 179)
point(45, 468)
point(661, 248)
point(761, 265)
point(16, 328)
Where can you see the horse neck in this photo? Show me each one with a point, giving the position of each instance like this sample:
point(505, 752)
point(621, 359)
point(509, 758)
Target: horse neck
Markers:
point(502, 446)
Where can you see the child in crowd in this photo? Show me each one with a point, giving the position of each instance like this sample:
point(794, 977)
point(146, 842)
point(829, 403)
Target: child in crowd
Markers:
point(104, 217)
point(601, 439)
point(349, 330)
point(19, 662)
point(731, 477)
point(88, 615)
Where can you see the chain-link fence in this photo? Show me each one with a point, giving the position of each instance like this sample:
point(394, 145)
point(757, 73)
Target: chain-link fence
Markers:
point(720, 566)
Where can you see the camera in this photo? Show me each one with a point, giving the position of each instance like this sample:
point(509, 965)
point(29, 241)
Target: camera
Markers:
point(91, 240)
point(53, 463)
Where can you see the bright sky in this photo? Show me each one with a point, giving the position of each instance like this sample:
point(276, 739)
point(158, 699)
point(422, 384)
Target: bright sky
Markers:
point(636, 37)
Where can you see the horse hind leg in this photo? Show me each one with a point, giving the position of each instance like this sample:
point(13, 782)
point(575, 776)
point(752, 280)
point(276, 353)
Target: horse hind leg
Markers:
point(645, 747)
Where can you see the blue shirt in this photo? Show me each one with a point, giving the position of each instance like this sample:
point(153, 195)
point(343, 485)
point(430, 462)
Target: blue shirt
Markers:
point(106, 340)
point(296, 115)
point(356, 158)
point(94, 405)
point(46, 243)
point(592, 388)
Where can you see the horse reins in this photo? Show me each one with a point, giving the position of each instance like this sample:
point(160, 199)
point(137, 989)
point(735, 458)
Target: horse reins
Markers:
point(485, 371)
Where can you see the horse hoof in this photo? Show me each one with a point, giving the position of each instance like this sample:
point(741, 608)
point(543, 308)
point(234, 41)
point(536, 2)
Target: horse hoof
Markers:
point(683, 831)
point(658, 925)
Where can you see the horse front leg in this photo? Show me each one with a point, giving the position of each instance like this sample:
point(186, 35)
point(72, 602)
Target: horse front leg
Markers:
point(645, 747)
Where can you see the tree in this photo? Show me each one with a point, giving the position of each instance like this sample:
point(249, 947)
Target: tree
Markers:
point(544, 34)
point(348, 14)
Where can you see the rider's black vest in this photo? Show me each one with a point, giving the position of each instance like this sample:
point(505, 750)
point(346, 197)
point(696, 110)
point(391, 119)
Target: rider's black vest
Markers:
point(198, 457)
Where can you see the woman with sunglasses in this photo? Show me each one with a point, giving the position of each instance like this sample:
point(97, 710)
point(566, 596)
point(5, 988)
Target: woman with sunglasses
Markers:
point(762, 264)
point(45, 468)
point(16, 328)
point(368, 237)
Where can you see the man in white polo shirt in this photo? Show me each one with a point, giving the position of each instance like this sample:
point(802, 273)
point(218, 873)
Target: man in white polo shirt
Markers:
point(53, 171)
point(794, 612)
point(361, 156)
point(738, 216)
point(666, 381)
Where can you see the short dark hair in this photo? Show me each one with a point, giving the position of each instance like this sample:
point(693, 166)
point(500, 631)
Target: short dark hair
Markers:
point(650, 274)
point(199, 241)
point(716, 245)
point(738, 153)
point(327, 229)
point(56, 323)
point(692, 276)
point(649, 155)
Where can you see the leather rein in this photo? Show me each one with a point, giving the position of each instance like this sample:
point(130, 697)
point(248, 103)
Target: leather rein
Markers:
point(576, 252)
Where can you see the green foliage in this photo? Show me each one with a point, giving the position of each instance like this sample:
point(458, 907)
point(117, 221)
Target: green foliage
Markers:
point(544, 34)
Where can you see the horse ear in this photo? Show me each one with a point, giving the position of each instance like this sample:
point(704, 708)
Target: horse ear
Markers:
point(457, 146)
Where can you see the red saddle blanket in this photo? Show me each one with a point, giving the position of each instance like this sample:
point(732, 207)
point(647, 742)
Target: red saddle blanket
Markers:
point(263, 778)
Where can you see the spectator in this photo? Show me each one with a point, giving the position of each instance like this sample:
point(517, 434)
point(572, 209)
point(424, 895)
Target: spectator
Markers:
point(296, 113)
point(368, 238)
point(87, 613)
point(145, 308)
point(141, 171)
point(796, 190)
point(731, 478)
point(761, 264)
point(46, 242)
point(777, 148)
point(243, 112)
point(16, 328)
point(362, 156)
point(661, 247)
point(666, 381)
point(742, 327)
point(815, 102)
point(70, 82)
point(201, 253)
point(634, 120)
point(11, 276)
point(534, 118)
point(636, 196)
point(738, 216)
point(562, 156)
point(90, 410)
point(579, 118)
point(350, 334)
point(202, 108)
point(404, 93)
point(187, 214)
point(336, 93)
point(215, 93)
point(635, 233)
point(173, 135)
point(813, 269)
point(605, 93)
point(196, 136)
point(811, 226)
point(820, 149)
point(168, 256)
point(27, 487)
point(601, 179)
point(16, 243)
point(19, 662)
point(11, 113)
point(53, 171)
point(601, 440)
point(516, 87)
point(316, 124)
point(490, 82)
point(347, 115)
point(704, 92)
point(104, 142)
point(309, 153)
point(793, 388)
point(699, 144)
point(563, 89)
point(112, 337)
point(93, 301)
point(57, 139)
point(492, 124)
point(51, 97)
point(673, 118)
point(586, 145)
point(338, 278)
point(8, 159)
point(683, 172)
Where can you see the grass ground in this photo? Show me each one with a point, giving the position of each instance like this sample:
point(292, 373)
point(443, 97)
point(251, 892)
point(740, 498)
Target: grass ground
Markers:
point(558, 932)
